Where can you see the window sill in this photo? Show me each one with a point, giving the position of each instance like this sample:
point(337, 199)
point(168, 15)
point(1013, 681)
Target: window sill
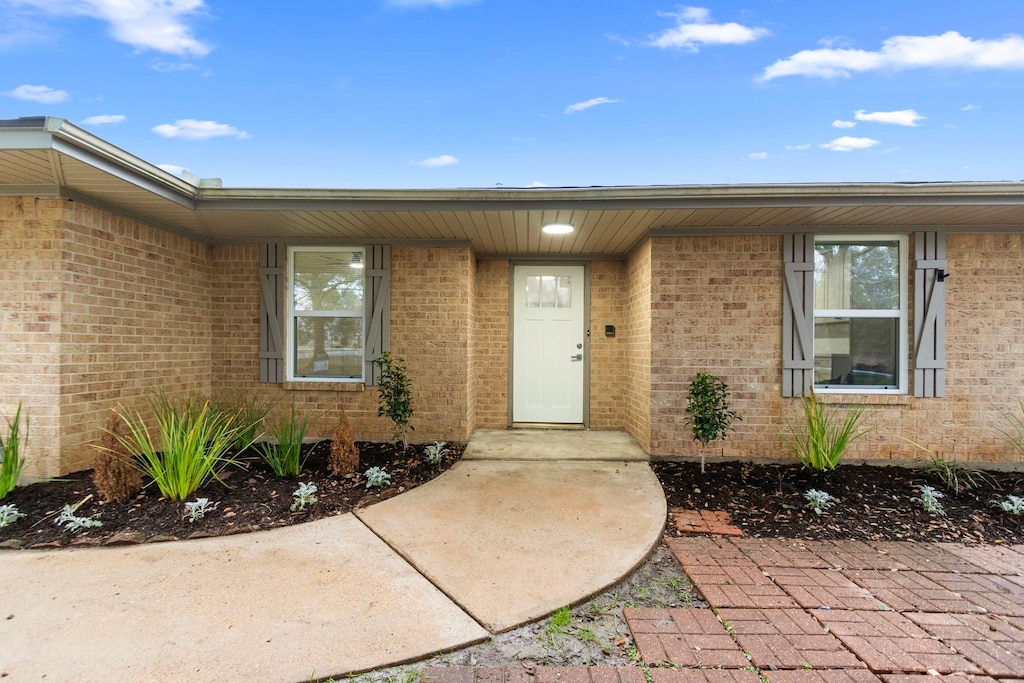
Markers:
point(323, 386)
point(866, 399)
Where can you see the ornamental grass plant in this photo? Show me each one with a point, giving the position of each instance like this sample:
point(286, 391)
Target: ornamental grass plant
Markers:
point(192, 444)
point(821, 440)
point(285, 456)
point(12, 460)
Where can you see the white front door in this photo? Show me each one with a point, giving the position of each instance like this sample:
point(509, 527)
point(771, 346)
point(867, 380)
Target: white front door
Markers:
point(549, 343)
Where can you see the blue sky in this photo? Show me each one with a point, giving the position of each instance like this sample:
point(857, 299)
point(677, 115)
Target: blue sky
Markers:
point(449, 93)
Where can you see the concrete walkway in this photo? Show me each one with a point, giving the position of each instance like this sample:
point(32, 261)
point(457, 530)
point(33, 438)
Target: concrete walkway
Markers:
point(498, 540)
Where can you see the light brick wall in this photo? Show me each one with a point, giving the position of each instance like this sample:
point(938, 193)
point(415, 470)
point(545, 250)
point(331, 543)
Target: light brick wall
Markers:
point(717, 306)
point(430, 327)
point(30, 309)
point(607, 376)
point(637, 344)
point(492, 282)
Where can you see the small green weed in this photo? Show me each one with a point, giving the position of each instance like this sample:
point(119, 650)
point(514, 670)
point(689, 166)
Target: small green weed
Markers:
point(12, 460)
point(557, 626)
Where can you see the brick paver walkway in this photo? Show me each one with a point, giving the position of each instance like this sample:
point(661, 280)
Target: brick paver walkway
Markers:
point(785, 611)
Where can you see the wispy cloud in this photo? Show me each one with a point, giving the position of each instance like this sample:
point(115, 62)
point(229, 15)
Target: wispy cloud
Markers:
point(104, 119)
point(839, 123)
point(580, 106)
point(191, 129)
point(38, 93)
point(970, 107)
point(694, 29)
point(443, 160)
point(758, 155)
point(849, 144)
point(903, 117)
point(947, 51)
point(144, 24)
point(798, 148)
point(537, 183)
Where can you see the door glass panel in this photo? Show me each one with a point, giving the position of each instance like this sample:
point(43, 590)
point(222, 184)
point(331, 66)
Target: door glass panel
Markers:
point(548, 291)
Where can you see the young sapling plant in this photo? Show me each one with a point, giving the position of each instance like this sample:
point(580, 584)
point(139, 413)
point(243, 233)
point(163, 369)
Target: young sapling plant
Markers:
point(395, 398)
point(707, 411)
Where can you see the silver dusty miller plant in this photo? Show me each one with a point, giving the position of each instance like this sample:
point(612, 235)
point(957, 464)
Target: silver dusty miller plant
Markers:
point(819, 500)
point(304, 496)
point(376, 477)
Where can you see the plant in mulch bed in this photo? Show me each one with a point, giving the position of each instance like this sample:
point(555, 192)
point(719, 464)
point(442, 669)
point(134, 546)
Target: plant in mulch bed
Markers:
point(929, 499)
point(1014, 431)
point(75, 523)
point(115, 473)
point(820, 442)
point(819, 501)
point(1011, 504)
point(9, 514)
point(11, 459)
point(304, 496)
point(395, 397)
point(344, 454)
point(285, 456)
point(194, 444)
point(376, 477)
point(197, 509)
point(707, 411)
point(432, 453)
point(249, 413)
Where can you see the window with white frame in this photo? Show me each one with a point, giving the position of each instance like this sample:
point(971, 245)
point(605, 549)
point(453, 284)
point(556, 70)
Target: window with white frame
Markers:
point(860, 314)
point(326, 313)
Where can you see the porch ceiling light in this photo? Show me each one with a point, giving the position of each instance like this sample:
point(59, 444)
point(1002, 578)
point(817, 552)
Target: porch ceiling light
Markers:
point(357, 259)
point(557, 229)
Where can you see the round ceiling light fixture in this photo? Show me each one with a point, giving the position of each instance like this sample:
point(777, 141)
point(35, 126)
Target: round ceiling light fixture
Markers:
point(557, 229)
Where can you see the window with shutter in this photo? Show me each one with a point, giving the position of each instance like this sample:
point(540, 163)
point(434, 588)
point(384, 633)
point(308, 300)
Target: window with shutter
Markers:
point(797, 314)
point(930, 272)
point(273, 259)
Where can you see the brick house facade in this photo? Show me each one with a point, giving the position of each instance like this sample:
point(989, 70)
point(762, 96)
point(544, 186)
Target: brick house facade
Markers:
point(119, 280)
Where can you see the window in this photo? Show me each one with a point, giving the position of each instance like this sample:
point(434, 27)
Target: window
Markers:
point(326, 313)
point(860, 324)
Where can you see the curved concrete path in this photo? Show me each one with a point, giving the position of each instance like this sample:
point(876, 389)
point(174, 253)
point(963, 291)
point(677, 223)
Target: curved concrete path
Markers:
point(489, 545)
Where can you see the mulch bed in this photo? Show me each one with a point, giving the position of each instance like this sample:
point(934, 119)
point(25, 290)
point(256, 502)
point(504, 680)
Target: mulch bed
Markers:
point(872, 503)
point(257, 499)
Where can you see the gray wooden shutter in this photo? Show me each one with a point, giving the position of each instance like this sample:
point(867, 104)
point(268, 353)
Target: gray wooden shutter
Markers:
point(273, 258)
point(378, 308)
point(798, 314)
point(930, 269)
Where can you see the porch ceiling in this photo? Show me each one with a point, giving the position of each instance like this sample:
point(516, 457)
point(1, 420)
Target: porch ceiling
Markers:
point(50, 157)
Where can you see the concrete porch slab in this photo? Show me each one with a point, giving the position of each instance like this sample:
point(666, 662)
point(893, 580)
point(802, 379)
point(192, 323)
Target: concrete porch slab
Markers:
point(513, 541)
point(553, 444)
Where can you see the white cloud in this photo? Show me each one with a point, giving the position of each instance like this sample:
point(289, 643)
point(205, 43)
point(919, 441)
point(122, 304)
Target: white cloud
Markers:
point(949, 50)
point(903, 117)
point(580, 106)
point(38, 93)
point(758, 155)
point(104, 119)
point(970, 107)
point(143, 24)
point(849, 144)
point(839, 123)
point(798, 148)
point(693, 29)
point(443, 160)
point(191, 129)
point(537, 183)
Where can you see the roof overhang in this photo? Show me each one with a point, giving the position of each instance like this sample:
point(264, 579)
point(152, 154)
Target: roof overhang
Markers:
point(51, 157)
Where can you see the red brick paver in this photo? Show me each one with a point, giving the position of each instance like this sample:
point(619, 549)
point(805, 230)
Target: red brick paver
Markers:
point(816, 588)
point(995, 594)
point(992, 559)
point(715, 522)
point(926, 557)
point(739, 587)
point(910, 591)
point(780, 552)
point(941, 678)
point(786, 639)
point(683, 637)
point(700, 551)
point(891, 643)
point(987, 640)
point(703, 676)
point(823, 676)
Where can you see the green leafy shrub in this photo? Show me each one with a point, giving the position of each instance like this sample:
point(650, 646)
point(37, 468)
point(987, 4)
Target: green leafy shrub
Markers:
point(249, 413)
point(193, 445)
point(395, 398)
point(285, 456)
point(707, 411)
point(825, 435)
point(12, 461)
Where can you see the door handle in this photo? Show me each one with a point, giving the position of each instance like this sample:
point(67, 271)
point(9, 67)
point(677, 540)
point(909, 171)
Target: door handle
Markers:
point(578, 356)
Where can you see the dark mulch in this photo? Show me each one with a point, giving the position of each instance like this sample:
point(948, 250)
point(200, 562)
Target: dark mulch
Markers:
point(257, 499)
point(872, 503)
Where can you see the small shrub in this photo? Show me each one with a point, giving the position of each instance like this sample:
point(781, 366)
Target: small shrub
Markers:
point(344, 454)
point(955, 477)
point(193, 446)
point(707, 411)
point(819, 500)
point(824, 438)
point(197, 509)
point(74, 523)
point(248, 414)
point(285, 457)
point(1011, 504)
point(9, 514)
point(12, 461)
point(929, 500)
point(432, 453)
point(304, 496)
point(376, 477)
point(115, 474)
point(395, 396)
